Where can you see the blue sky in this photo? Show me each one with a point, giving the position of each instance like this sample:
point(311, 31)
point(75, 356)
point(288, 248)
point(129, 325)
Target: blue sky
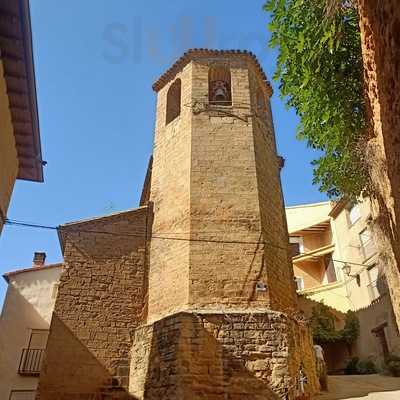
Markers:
point(95, 63)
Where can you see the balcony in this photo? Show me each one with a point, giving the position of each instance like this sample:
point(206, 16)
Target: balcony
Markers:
point(31, 362)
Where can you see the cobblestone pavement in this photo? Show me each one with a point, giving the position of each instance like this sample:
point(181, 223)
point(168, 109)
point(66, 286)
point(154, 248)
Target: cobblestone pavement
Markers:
point(362, 387)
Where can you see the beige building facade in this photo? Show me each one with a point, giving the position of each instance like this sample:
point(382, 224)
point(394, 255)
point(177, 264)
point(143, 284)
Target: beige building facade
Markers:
point(336, 261)
point(24, 327)
point(334, 255)
point(20, 149)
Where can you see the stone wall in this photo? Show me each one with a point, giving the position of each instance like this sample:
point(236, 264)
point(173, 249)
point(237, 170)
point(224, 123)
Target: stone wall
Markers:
point(169, 259)
point(368, 346)
point(277, 260)
point(8, 151)
point(100, 301)
point(380, 32)
point(219, 356)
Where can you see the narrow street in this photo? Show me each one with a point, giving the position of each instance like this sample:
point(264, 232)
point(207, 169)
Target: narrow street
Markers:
point(362, 387)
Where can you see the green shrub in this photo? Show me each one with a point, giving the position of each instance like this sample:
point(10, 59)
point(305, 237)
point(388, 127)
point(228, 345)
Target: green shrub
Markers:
point(360, 367)
point(351, 367)
point(392, 363)
point(366, 367)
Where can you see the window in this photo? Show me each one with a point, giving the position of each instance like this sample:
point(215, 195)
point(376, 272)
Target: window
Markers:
point(173, 101)
point(373, 277)
point(368, 248)
point(22, 395)
point(38, 339)
point(219, 86)
point(296, 245)
point(32, 356)
point(353, 213)
point(330, 271)
point(299, 282)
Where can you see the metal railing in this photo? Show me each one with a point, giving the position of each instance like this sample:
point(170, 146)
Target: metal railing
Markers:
point(31, 361)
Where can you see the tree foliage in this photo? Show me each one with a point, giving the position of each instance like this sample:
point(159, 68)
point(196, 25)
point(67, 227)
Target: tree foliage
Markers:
point(320, 71)
point(323, 326)
point(351, 329)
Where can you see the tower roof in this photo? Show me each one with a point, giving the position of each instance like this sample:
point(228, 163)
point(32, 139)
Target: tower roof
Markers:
point(193, 53)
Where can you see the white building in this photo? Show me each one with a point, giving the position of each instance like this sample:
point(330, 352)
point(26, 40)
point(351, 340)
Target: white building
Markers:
point(24, 325)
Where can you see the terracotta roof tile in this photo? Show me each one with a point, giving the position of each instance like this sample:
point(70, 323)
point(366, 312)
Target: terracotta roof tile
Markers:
point(192, 53)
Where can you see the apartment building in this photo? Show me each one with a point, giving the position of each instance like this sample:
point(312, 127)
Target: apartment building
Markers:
point(24, 327)
point(335, 261)
point(334, 257)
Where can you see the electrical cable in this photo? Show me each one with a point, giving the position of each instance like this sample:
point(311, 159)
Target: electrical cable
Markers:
point(157, 236)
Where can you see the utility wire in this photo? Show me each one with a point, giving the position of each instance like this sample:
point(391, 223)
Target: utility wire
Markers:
point(157, 236)
point(140, 235)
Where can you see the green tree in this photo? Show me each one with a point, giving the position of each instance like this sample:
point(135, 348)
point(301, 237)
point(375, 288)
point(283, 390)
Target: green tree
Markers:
point(351, 329)
point(321, 75)
point(323, 325)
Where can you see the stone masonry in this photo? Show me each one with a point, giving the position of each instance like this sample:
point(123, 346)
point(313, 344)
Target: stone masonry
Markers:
point(190, 296)
point(100, 301)
point(380, 35)
point(215, 176)
point(218, 356)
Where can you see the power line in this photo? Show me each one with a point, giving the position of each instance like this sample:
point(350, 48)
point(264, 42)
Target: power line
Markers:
point(140, 235)
point(159, 236)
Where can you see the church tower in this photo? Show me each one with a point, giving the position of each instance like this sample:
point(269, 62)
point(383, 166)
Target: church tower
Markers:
point(221, 318)
point(216, 190)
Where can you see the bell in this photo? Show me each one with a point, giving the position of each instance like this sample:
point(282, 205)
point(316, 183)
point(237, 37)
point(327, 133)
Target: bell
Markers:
point(220, 94)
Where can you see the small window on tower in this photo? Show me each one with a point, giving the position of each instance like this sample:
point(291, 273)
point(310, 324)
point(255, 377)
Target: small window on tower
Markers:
point(173, 101)
point(219, 86)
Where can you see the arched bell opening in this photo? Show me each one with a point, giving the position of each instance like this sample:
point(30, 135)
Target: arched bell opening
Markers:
point(219, 86)
point(173, 101)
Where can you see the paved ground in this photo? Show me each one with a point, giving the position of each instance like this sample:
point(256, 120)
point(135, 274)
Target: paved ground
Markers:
point(362, 387)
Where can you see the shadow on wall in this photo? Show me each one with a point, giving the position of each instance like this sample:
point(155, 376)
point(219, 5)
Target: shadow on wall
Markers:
point(240, 356)
point(71, 372)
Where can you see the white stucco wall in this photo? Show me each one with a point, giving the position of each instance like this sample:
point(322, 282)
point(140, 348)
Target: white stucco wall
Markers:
point(28, 305)
point(305, 215)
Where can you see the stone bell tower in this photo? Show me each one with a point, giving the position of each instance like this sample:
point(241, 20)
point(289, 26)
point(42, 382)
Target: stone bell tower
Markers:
point(215, 181)
point(220, 277)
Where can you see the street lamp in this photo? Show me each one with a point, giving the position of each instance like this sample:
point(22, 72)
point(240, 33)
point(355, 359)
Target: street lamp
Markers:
point(346, 269)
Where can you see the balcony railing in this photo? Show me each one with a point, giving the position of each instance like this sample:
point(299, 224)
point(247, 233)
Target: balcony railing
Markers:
point(31, 361)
